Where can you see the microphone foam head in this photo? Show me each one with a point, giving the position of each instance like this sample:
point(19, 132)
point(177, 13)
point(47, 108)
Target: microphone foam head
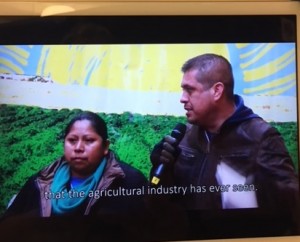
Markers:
point(179, 131)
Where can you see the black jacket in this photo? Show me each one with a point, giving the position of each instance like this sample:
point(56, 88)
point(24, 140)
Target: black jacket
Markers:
point(255, 151)
point(108, 218)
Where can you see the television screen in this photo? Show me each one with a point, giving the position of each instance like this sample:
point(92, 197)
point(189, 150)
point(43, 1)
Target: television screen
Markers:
point(129, 71)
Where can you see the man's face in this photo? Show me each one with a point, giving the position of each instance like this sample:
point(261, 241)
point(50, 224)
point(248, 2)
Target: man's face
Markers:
point(196, 99)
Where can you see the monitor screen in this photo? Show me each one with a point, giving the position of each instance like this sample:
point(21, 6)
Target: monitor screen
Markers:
point(129, 70)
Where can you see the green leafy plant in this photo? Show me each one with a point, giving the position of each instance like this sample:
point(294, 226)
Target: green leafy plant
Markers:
point(31, 138)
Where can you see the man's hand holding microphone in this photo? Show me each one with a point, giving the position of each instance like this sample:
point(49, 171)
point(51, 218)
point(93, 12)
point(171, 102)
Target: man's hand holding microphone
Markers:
point(167, 152)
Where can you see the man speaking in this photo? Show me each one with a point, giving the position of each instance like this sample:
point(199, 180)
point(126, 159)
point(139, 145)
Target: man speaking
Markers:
point(249, 184)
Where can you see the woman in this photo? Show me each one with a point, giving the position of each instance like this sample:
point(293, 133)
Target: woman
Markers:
point(86, 180)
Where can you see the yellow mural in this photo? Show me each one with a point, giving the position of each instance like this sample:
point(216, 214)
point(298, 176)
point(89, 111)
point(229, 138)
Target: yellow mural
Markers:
point(122, 78)
point(141, 67)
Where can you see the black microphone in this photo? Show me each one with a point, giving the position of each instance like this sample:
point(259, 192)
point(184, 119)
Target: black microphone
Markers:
point(177, 133)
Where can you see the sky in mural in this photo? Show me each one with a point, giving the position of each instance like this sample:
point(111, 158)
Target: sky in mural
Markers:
point(143, 78)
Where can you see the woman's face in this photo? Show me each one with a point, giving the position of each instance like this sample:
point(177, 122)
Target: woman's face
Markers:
point(84, 149)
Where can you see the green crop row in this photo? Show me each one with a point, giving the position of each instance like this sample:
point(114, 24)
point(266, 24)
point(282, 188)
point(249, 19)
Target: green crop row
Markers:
point(31, 138)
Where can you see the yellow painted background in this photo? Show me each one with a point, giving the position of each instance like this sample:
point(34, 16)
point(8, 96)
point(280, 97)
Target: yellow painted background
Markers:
point(124, 67)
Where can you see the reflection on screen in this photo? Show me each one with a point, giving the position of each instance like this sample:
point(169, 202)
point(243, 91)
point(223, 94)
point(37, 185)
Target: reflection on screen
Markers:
point(130, 73)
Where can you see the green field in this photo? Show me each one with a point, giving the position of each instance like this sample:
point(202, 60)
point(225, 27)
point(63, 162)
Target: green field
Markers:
point(31, 138)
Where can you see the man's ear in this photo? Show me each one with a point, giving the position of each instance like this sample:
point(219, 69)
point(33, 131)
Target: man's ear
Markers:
point(218, 90)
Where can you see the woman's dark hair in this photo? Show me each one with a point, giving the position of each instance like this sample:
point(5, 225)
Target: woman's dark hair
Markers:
point(96, 121)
